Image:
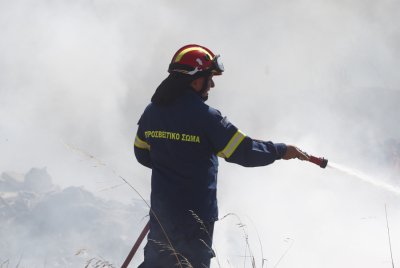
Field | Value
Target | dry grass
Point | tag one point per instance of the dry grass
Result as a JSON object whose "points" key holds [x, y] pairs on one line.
{"points": [[249, 253], [8, 262], [75, 148], [203, 227], [95, 262], [4, 263], [164, 247], [390, 243], [291, 243]]}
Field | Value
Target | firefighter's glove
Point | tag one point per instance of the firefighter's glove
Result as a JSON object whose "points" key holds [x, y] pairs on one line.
{"points": [[294, 152]]}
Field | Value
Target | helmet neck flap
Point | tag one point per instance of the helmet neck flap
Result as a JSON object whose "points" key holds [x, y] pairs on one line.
{"points": [[175, 85]]}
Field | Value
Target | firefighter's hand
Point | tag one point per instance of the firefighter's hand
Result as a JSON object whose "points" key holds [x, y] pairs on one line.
{"points": [[294, 152]]}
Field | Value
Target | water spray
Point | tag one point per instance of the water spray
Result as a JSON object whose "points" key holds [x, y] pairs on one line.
{"points": [[323, 163], [374, 181], [320, 161]]}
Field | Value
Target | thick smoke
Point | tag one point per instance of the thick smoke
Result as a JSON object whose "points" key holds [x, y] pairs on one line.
{"points": [[45, 226], [321, 75]]}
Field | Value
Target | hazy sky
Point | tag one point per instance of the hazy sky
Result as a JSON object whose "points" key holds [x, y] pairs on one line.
{"points": [[320, 74]]}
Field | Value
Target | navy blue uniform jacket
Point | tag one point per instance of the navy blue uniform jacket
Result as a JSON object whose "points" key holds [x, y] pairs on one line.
{"points": [[181, 143]]}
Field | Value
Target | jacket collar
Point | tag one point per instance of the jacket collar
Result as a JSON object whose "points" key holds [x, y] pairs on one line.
{"points": [[190, 91]]}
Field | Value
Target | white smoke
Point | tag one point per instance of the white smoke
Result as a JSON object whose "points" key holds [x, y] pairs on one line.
{"points": [[321, 75]]}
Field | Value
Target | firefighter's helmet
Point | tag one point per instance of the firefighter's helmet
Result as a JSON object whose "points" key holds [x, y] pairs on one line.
{"points": [[191, 59]]}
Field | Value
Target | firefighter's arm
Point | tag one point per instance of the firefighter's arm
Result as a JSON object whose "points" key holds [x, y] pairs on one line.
{"points": [[234, 146], [142, 152], [254, 153], [291, 152]]}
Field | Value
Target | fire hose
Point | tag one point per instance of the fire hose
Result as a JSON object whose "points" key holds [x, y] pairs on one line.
{"points": [[136, 246], [319, 161]]}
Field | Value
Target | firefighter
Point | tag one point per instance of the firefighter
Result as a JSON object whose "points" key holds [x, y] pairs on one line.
{"points": [[180, 138]]}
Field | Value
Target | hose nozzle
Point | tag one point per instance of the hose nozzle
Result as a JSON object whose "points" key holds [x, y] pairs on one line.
{"points": [[320, 161]]}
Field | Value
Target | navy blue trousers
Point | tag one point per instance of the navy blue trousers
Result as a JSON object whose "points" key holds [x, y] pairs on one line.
{"points": [[185, 238]]}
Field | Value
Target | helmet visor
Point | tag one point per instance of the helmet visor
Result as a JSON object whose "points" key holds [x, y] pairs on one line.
{"points": [[217, 64]]}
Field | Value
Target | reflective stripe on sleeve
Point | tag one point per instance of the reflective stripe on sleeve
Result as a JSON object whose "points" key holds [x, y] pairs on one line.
{"points": [[141, 144], [232, 145]]}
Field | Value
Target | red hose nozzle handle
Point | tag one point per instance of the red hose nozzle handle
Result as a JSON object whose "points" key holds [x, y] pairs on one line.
{"points": [[320, 161]]}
